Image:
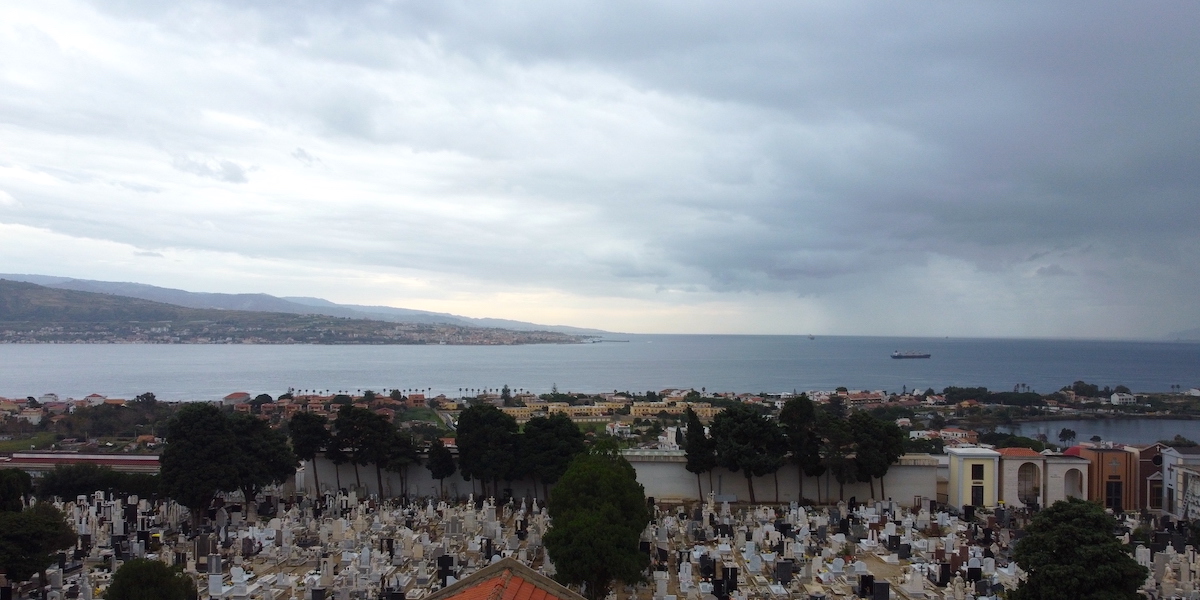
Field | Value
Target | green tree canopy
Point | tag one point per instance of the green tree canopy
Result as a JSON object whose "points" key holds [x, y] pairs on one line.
{"points": [[798, 418], [879, 444], [70, 481], [487, 444], [1066, 435], [937, 422], [599, 513], [1179, 442], [201, 457], [29, 540], [309, 437], [837, 449], [959, 394], [15, 484], [548, 446], [147, 401], [701, 450], [746, 441], [924, 446], [257, 403], [364, 437], [1070, 551], [440, 462], [264, 456], [144, 579], [1084, 389], [401, 453]]}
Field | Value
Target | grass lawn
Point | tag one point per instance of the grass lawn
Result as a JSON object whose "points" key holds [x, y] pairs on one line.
{"points": [[423, 414], [40, 441]]}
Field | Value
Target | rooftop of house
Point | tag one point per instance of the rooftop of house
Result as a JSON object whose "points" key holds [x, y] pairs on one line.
{"points": [[506, 580], [973, 451]]}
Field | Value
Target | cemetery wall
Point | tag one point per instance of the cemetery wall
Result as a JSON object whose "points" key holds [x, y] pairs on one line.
{"points": [[420, 483], [670, 480], [664, 477]]}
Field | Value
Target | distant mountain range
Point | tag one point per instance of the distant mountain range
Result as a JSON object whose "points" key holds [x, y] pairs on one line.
{"points": [[291, 305], [36, 314]]}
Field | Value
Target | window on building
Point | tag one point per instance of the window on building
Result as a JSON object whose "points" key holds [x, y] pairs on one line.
{"points": [[976, 471], [1113, 495]]}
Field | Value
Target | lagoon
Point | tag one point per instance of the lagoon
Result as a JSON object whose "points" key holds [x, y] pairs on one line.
{"points": [[1122, 430]]}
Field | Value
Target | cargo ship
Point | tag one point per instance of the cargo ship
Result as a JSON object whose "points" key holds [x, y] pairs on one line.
{"points": [[910, 354]]}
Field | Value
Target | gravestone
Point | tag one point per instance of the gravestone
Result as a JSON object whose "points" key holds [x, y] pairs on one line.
{"points": [[942, 574], [883, 591], [731, 578], [866, 586], [783, 571]]}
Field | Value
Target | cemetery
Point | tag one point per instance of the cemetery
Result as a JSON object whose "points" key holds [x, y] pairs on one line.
{"points": [[342, 546]]}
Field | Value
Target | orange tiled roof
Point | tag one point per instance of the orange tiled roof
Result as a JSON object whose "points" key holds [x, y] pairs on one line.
{"points": [[506, 580], [1017, 452]]}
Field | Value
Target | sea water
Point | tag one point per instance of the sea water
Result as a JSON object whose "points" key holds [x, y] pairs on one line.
{"points": [[716, 363]]}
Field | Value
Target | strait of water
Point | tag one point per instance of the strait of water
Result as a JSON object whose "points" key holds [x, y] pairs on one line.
{"points": [[636, 363]]}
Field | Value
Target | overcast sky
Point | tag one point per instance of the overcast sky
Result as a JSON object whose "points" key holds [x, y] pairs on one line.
{"points": [[962, 169]]}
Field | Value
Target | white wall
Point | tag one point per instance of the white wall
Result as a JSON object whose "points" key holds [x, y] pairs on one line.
{"points": [[672, 481], [666, 478], [419, 481], [1009, 479]]}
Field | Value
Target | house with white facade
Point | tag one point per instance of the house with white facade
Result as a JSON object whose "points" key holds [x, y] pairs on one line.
{"points": [[1121, 399]]}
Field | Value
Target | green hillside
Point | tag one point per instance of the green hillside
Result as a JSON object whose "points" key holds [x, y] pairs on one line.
{"points": [[27, 302], [31, 313]]}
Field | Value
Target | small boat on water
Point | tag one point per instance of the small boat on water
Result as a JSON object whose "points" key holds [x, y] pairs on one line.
{"points": [[910, 354]]}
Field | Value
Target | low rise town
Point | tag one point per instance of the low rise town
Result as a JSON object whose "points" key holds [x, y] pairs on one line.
{"points": [[944, 517]]}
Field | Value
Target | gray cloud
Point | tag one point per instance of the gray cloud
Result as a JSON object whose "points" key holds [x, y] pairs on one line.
{"points": [[1054, 270], [221, 170], [303, 156], [817, 150]]}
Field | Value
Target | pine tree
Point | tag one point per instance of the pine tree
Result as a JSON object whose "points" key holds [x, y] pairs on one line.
{"points": [[701, 451]]}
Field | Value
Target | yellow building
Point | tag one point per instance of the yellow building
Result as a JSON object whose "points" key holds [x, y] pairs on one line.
{"points": [[649, 409], [520, 413], [705, 411], [974, 476], [583, 410]]}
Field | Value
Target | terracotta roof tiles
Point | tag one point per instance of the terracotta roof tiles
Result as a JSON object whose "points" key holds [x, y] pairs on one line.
{"points": [[506, 580]]}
